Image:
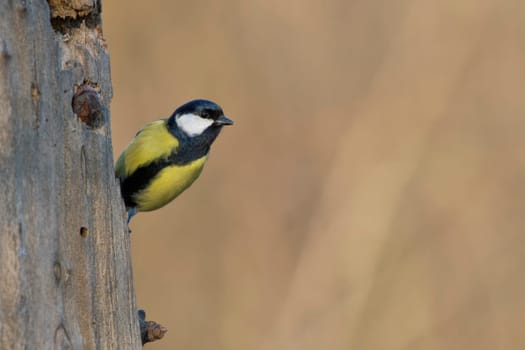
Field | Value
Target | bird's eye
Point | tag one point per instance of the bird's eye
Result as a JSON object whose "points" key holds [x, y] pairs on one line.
{"points": [[205, 115]]}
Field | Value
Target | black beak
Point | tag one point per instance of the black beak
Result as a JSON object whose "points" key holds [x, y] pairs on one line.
{"points": [[223, 120]]}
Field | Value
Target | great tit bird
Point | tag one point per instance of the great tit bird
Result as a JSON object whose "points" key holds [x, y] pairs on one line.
{"points": [[168, 155]]}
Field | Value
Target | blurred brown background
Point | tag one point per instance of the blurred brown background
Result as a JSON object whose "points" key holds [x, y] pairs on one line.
{"points": [[371, 194]]}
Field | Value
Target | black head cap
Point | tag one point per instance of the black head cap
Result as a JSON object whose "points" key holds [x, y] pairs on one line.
{"points": [[203, 108]]}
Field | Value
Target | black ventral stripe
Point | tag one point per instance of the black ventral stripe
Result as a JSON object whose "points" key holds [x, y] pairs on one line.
{"points": [[144, 175]]}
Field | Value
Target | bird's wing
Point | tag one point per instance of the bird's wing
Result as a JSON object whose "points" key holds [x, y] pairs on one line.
{"points": [[153, 142]]}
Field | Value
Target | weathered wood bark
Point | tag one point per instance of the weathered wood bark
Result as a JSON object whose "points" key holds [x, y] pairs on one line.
{"points": [[65, 268]]}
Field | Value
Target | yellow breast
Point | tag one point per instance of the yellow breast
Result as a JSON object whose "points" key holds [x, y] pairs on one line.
{"points": [[168, 184], [154, 141]]}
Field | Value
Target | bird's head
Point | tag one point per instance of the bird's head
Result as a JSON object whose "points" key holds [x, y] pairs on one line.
{"points": [[197, 116]]}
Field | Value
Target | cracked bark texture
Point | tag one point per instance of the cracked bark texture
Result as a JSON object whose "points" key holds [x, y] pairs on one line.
{"points": [[65, 258]]}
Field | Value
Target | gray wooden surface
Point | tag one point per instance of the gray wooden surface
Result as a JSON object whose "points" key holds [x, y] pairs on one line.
{"points": [[59, 289]]}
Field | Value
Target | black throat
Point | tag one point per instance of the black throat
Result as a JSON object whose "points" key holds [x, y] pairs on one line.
{"points": [[191, 147]]}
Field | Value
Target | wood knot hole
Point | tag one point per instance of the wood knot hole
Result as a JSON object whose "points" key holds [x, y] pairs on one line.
{"points": [[87, 105], [57, 270]]}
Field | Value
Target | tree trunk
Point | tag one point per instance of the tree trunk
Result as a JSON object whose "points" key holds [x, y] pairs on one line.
{"points": [[65, 267]]}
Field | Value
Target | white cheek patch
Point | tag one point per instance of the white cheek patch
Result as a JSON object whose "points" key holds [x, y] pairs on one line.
{"points": [[192, 124]]}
